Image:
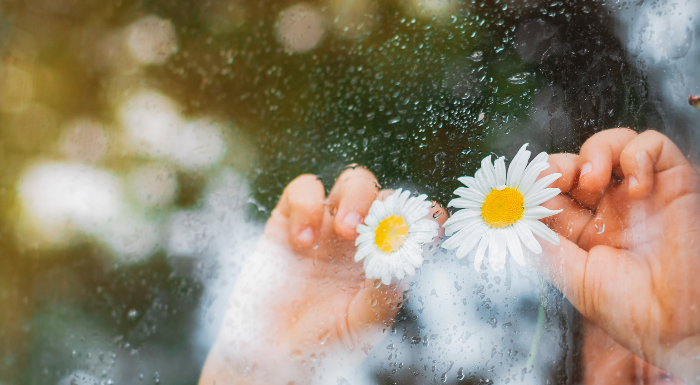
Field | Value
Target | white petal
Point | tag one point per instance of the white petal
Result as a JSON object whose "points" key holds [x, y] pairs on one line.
{"points": [[470, 193], [542, 231], [462, 203], [363, 229], [470, 242], [539, 212], [386, 275], [365, 237], [472, 183], [530, 175], [401, 202], [465, 214], [517, 166], [514, 246], [479, 255], [364, 250], [500, 166], [541, 183], [483, 181], [526, 237], [497, 248], [541, 196], [413, 253], [455, 226], [489, 172]]}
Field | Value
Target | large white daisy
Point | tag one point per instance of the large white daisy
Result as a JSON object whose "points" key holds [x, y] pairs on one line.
{"points": [[390, 240], [499, 210]]}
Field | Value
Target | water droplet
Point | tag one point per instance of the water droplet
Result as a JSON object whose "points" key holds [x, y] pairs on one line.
{"points": [[395, 120], [324, 337], [602, 230], [518, 78], [493, 322], [132, 314], [477, 56]]}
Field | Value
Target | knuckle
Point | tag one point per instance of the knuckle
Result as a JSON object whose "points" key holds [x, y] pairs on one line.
{"points": [[357, 172]]}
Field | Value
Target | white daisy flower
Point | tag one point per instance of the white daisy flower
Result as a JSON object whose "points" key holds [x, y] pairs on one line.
{"points": [[499, 210], [390, 240]]}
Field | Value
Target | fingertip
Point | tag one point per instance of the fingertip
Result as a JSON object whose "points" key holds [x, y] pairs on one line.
{"points": [[350, 200], [567, 166], [438, 213], [302, 202], [346, 226], [306, 237], [594, 176]]}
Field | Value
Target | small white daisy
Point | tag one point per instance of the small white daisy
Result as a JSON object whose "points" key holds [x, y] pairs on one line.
{"points": [[390, 240], [500, 210]]}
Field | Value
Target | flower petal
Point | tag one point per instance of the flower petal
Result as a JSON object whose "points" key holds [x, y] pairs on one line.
{"points": [[481, 249], [497, 255], [500, 166], [526, 237], [530, 175], [542, 231], [471, 241], [539, 212], [489, 172], [517, 167], [541, 196], [514, 246], [472, 183], [541, 183]]}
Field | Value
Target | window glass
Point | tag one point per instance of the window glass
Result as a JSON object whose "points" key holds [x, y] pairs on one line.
{"points": [[145, 144]]}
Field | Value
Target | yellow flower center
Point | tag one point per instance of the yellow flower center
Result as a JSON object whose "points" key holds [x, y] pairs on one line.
{"points": [[390, 234], [502, 208]]}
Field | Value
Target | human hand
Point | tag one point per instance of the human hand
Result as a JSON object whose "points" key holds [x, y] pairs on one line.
{"points": [[629, 259], [301, 306]]}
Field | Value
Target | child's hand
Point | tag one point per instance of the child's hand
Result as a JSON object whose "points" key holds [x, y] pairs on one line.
{"points": [[629, 260], [301, 305]]}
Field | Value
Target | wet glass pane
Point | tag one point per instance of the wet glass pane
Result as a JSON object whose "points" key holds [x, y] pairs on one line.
{"points": [[155, 227]]}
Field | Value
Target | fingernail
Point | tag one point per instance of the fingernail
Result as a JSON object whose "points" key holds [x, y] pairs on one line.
{"points": [[586, 168], [306, 236], [633, 182], [352, 219]]}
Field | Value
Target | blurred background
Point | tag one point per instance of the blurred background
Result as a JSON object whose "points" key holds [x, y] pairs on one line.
{"points": [[143, 143]]}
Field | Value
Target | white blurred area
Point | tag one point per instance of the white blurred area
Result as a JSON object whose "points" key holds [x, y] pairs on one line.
{"points": [[127, 210], [151, 40], [154, 127], [144, 42], [300, 28], [61, 201]]}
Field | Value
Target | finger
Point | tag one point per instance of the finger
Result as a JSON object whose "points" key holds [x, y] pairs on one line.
{"points": [[350, 200], [302, 203], [600, 156], [649, 153], [567, 166], [438, 213]]}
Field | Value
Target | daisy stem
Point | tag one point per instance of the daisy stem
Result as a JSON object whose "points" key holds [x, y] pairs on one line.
{"points": [[536, 340]]}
